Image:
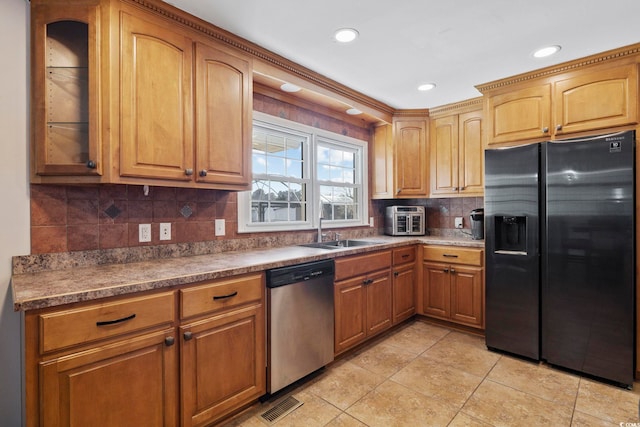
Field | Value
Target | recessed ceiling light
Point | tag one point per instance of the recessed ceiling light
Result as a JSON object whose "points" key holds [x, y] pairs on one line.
{"points": [[346, 35], [427, 86], [288, 87], [353, 111], [546, 51]]}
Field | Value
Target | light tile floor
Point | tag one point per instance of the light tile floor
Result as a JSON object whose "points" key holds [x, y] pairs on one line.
{"points": [[427, 375]]}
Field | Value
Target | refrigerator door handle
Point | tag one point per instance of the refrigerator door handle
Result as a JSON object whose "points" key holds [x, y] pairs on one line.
{"points": [[505, 252]]}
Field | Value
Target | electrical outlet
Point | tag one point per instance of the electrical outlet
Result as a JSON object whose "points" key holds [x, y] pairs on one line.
{"points": [[144, 233], [165, 231], [458, 222], [370, 221], [219, 226]]}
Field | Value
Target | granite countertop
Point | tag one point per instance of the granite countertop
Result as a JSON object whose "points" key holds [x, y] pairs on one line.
{"points": [[49, 288]]}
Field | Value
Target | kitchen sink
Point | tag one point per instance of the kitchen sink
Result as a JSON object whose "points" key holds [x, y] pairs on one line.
{"points": [[338, 244]]}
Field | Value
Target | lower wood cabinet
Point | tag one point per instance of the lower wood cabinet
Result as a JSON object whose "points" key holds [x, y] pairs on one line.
{"points": [[182, 357], [453, 285], [362, 298], [132, 382], [404, 286], [223, 353]]}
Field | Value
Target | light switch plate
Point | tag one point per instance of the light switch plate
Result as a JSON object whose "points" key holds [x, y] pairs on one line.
{"points": [[219, 226]]}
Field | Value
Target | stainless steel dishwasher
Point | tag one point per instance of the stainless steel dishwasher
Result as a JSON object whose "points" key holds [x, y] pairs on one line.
{"points": [[299, 322]]}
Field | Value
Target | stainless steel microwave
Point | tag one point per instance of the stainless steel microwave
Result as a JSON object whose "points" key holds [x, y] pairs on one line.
{"points": [[405, 221]]}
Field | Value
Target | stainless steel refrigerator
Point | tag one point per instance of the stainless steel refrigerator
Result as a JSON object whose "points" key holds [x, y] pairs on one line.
{"points": [[560, 253]]}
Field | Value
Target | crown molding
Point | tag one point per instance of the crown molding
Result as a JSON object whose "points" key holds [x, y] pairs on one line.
{"points": [[261, 53], [630, 51]]}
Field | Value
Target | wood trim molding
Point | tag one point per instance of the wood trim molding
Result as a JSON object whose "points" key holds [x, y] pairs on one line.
{"points": [[423, 113], [612, 55], [458, 107]]}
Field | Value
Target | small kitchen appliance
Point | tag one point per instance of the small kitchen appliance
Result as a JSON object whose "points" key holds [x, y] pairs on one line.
{"points": [[405, 221], [477, 224]]}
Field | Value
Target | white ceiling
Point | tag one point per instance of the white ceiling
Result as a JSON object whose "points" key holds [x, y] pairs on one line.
{"points": [[454, 43]]}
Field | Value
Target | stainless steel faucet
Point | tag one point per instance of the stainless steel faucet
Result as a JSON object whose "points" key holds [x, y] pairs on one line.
{"points": [[320, 228]]}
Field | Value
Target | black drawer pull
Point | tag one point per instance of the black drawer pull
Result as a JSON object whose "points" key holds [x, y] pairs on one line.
{"points": [[450, 255], [187, 335], [233, 294], [169, 341], [405, 256], [112, 322]]}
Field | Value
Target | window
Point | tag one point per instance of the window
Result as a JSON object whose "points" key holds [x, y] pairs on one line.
{"points": [[300, 173]]}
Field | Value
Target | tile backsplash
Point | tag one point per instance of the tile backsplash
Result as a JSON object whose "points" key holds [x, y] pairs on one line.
{"points": [[100, 217], [440, 213]]}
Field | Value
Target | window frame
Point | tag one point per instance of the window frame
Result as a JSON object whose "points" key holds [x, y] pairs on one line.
{"points": [[310, 165]]}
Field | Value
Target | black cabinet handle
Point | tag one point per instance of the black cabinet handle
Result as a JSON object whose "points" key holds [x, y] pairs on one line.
{"points": [[395, 273], [203, 173], [232, 294], [91, 164], [405, 256], [450, 255], [187, 335], [453, 271], [446, 270], [169, 341], [112, 322]]}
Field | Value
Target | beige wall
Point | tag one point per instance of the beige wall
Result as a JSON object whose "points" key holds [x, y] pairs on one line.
{"points": [[14, 213]]}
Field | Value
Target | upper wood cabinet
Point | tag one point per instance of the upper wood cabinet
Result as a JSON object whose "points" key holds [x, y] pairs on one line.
{"points": [[457, 153], [600, 98], [519, 114], [156, 109], [65, 70], [411, 146], [382, 163], [554, 103], [223, 116], [131, 95]]}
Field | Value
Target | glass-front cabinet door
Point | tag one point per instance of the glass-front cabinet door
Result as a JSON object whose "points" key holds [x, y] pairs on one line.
{"points": [[65, 90]]}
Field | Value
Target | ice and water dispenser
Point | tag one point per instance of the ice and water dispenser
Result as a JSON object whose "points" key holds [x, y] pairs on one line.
{"points": [[511, 234]]}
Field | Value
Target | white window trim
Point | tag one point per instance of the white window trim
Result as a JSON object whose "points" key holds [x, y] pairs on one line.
{"points": [[244, 198]]}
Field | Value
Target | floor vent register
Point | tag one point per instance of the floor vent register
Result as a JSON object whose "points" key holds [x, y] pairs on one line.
{"points": [[283, 408]]}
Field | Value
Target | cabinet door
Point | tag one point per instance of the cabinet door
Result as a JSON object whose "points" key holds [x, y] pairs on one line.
{"points": [[350, 305], [519, 115], [223, 117], [403, 292], [444, 155], [156, 138], [379, 302], [130, 383], [382, 164], [410, 153], [223, 364], [436, 290], [467, 295], [65, 90], [470, 154], [595, 100]]}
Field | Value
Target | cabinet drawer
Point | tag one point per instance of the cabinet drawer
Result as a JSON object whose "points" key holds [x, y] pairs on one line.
{"points": [[453, 255], [404, 255], [220, 295], [98, 321], [362, 264]]}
